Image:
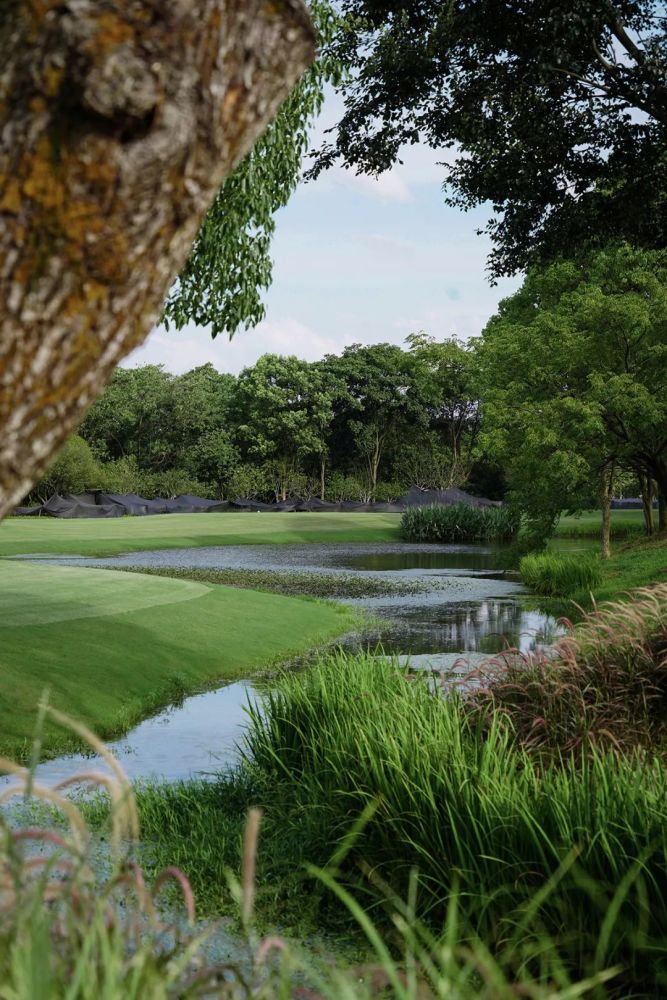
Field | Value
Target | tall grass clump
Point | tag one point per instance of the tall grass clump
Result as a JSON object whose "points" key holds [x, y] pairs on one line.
{"points": [[553, 574], [458, 523], [604, 685], [68, 931], [458, 799]]}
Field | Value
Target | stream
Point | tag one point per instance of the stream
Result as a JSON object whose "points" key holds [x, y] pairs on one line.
{"points": [[471, 609]]}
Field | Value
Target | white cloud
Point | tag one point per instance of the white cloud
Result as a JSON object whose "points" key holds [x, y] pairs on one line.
{"points": [[193, 346], [389, 186]]}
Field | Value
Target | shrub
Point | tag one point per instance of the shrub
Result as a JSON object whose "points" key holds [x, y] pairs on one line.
{"points": [[555, 575], [173, 483], [123, 475], [388, 492], [75, 470], [340, 488], [458, 523], [604, 686], [247, 482]]}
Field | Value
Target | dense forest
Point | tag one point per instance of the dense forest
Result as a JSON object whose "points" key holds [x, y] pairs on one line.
{"points": [[361, 425]]}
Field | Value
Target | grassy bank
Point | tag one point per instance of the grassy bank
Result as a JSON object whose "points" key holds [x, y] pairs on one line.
{"points": [[575, 850], [634, 565], [31, 535], [112, 647], [581, 579]]}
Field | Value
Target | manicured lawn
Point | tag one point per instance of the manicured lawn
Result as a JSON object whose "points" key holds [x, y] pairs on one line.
{"points": [[113, 646], [164, 531], [624, 524]]}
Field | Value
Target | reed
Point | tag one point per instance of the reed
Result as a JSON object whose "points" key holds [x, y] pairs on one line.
{"points": [[553, 574], [473, 812], [602, 686], [458, 523], [67, 931]]}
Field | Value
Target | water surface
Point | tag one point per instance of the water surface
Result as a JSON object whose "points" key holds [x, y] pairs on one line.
{"points": [[472, 608]]}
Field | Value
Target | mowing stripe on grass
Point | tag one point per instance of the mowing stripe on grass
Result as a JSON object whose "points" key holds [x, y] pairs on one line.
{"points": [[165, 638], [67, 593]]}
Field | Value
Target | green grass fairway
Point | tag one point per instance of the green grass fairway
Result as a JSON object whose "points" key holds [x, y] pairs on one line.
{"points": [[112, 647], [624, 524], [26, 535]]}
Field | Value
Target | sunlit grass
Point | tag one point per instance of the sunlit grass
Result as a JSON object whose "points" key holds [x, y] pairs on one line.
{"points": [[555, 574], [107, 537], [114, 647], [624, 524]]}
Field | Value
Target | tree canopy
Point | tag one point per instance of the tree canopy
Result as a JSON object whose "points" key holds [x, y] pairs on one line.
{"points": [[364, 424], [574, 378], [230, 264], [552, 111]]}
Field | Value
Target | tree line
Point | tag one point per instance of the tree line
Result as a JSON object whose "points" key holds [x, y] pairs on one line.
{"points": [[558, 405], [362, 425]]}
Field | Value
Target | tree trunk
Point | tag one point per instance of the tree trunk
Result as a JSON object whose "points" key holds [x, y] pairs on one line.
{"points": [[375, 463], [646, 486], [118, 123], [661, 484], [607, 484], [323, 466]]}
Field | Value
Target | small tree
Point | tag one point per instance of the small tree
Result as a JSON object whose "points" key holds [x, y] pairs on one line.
{"points": [[75, 470]]}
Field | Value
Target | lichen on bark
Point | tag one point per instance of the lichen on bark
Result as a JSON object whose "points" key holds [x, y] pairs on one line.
{"points": [[119, 120]]}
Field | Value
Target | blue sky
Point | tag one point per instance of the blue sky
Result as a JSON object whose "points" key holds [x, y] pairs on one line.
{"points": [[357, 260]]}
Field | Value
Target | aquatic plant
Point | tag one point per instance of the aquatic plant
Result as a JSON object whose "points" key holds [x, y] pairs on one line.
{"points": [[554, 574], [458, 523], [291, 582]]}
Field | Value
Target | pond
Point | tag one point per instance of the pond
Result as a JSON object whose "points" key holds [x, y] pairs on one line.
{"points": [[470, 608]]}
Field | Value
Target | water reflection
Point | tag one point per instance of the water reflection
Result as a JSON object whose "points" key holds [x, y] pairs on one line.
{"points": [[198, 737], [484, 626], [471, 608], [451, 558]]}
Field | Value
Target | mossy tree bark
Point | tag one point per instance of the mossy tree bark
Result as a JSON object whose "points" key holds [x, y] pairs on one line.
{"points": [[119, 119]]}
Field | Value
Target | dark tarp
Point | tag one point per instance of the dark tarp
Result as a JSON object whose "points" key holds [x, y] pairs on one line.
{"points": [[256, 506], [632, 503], [74, 505], [99, 504]]}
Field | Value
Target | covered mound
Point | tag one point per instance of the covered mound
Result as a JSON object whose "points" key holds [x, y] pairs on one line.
{"points": [[100, 504]]}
